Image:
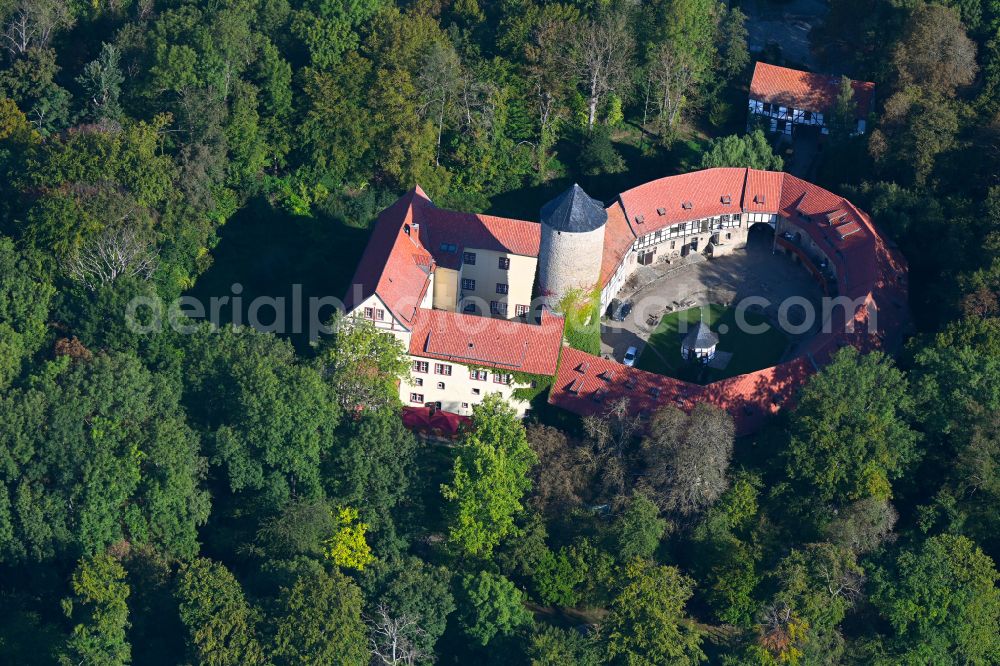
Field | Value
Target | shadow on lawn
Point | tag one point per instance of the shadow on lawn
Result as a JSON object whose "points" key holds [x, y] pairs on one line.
{"points": [[751, 352]]}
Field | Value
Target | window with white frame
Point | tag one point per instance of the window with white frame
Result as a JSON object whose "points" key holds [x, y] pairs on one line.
{"points": [[501, 378], [420, 366], [417, 397], [520, 310], [468, 285], [418, 381], [503, 263], [442, 369], [478, 375], [498, 308], [502, 288], [469, 258]]}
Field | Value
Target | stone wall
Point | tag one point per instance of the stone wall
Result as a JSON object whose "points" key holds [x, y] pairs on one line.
{"points": [[568, 261]]}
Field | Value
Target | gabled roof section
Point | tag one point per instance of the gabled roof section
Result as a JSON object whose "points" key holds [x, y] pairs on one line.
{"points": [[796, 89], [836, 225], [497, 343], [394, 265], [574, 211], [618, 239], [587, 385], [447, 234], [763, 191], [666, 201], [412, 237]]}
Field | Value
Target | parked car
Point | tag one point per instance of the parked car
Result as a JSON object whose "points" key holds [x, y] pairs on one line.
{"points": [[619, 313], [612, 307], [629, 358]]}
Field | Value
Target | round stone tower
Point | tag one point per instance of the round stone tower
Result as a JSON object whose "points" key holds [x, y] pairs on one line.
{"points": [[572, 245]]}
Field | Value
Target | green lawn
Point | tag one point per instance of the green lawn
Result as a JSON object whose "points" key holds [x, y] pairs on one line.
{"points": [[750, 351]]}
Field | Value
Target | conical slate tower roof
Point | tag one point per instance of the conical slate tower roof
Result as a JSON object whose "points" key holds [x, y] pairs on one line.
{"points": [[701, 337], [574, 211]]}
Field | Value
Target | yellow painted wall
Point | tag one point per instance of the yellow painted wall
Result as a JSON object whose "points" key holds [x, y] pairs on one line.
{"points": [[445, 289], [519, 278]]}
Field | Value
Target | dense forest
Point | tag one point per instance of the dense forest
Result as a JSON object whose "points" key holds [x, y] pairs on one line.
{"points": [[229, 496]]}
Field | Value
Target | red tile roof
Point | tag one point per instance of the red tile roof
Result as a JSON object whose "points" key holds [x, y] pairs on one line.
{"points": [[763, 191], [498, 343], [688, 196], [406, 246], [588, 384], [849, 240], [804, 90], [394, 265], [473, 231], [437, 422], [618, 239]]}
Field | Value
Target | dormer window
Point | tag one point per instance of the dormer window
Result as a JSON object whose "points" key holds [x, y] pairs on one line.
{"points": [[726, 199], [661, 211], [759, 199], [639, 219], [687, 205]]}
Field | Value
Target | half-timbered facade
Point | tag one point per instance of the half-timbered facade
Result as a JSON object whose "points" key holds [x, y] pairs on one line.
{"points": [[785, 98]]}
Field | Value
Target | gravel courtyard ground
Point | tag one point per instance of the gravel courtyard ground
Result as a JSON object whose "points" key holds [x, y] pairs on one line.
{"points": [[662, 288]]}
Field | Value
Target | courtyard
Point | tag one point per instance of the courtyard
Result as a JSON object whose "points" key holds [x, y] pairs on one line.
{"points": [[667, 296]]}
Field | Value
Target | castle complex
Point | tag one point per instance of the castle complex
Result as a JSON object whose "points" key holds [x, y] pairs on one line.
{"points": [[458, 289]]}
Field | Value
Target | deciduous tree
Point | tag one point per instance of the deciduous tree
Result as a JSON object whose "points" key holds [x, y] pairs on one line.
{"points": [[600, 55], [647, 625], [687, 457], [943, 602], [490, 477], [742, 150], [489, 605], [318, 621], [99, 606], [935, 51], [364, 365], [849, 437], [219, 620]]}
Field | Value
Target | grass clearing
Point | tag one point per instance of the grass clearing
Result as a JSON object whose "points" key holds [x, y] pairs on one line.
{"points": [[751, 351]]}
